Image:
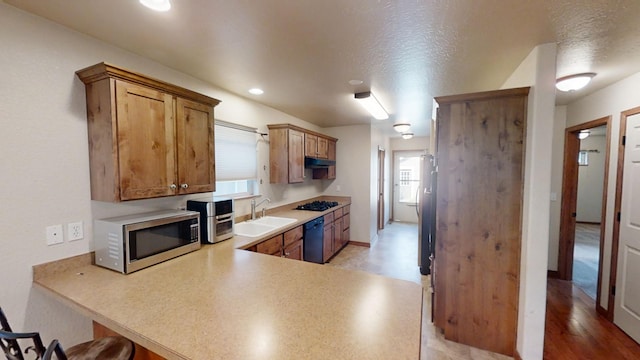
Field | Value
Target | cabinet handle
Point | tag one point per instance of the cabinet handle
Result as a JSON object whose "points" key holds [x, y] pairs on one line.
{"points": [[184, 186], [173, 186]]}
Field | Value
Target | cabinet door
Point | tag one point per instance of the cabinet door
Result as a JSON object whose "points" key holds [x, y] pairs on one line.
{"points": [[294, 251], [146, 148], [272, 246], [337, 235], [322, 150], [195, 150], [327, 242], [331, 155], [310, 145], [296, 156]]}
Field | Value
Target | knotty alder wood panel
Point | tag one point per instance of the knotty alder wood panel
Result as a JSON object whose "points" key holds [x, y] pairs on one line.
{"points": [[480, 157], [147, 138]]}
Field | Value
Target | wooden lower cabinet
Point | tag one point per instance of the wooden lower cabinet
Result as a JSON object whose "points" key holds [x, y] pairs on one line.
{"points": [[288, 245], [327, 242], [272, 246], [336, 232]]}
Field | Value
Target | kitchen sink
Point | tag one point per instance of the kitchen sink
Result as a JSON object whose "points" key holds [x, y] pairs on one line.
{"points": [[274, 221], [261, 226]]}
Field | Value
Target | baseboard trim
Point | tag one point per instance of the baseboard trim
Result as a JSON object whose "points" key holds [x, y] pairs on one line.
{"points": [[603, 312], [516, 356], [553, 274], [588, 222], [359, 243]]}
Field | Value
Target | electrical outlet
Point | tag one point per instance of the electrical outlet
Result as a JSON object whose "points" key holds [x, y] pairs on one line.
{"points": [[75, 231], [54, 235]]}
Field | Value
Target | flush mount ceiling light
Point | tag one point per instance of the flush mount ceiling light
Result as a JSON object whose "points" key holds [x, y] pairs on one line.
{"points": [[574, 82], [583, 134], [256, 91], [369, 102], [401, 127], [157, 5], [407, 136]]}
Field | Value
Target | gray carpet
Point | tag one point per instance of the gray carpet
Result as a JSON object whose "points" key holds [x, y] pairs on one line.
{"points": [[586, 254]]}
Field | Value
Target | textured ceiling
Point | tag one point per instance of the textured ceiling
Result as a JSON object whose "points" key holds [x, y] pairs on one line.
{"points": [[303, 52]]}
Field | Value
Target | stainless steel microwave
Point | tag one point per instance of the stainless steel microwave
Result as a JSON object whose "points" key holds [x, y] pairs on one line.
{"points": [[133, 242]]}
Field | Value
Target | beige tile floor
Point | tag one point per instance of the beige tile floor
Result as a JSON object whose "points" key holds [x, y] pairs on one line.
{"points": [[395, 255]]}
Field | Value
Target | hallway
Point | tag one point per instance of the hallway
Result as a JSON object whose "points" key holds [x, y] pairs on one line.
{"points": [[574, 330]]}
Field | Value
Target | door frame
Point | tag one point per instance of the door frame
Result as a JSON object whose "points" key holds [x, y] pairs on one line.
{"points": [[381, 157], [570, 197], [613, 275]]}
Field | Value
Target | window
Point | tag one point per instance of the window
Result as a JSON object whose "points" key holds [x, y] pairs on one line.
{"points": [[409, 167], [236, 160]]}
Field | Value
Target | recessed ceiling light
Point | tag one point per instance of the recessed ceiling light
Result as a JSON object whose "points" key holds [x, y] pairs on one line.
{"points": [[157, 5], [256, 91], [574, 82], [355, 82]]}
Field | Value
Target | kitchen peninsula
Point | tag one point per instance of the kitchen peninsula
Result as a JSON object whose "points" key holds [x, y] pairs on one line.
{"points": [[222, 302]]}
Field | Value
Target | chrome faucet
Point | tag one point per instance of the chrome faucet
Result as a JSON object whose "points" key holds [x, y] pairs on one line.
{"points": [[254, 206]]}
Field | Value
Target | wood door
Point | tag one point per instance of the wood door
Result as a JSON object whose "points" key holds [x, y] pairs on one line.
{"points": [[296, 156], [146, 147], [310, 145], [323, 148], [627, 301], [195, 147], [331, 155], [294, 251], [279, 156], [337, 234], [479, 197], [381, 154], [327, 242]]}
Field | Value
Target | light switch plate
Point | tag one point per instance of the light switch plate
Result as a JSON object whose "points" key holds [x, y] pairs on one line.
{"points": [[54, 235]]}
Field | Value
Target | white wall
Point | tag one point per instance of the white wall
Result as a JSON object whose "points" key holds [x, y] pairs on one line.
{"points": [[352, 171], [537, 70], [45, 165], [559, 124], [415, 143], [591, 180]]}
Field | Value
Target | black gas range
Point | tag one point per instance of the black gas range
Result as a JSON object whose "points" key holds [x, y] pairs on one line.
{"points": [[317, 205]]}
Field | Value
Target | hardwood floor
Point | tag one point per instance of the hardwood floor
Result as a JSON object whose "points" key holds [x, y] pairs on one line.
{"points": [[573, 331]]}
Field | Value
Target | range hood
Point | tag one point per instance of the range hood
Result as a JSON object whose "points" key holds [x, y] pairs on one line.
{"points": [[314, 163]]}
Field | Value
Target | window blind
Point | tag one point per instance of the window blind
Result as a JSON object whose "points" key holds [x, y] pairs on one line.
{"points": [[236, 152]]}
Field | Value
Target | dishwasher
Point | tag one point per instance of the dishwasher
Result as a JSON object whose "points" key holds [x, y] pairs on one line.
{"points": [[313, 233]]}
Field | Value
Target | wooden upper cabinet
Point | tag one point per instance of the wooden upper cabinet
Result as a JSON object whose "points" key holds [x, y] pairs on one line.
{"points": [[316, 146], [289, 145], [147, 138], [296, 157], [196, 151]]}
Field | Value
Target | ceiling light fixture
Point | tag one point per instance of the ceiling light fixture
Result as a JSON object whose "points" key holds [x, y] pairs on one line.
{"points": [[401, 127], [407, 136], [157, 5], [583, 134], [369, 102], [574, 82], [256, 91]]}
